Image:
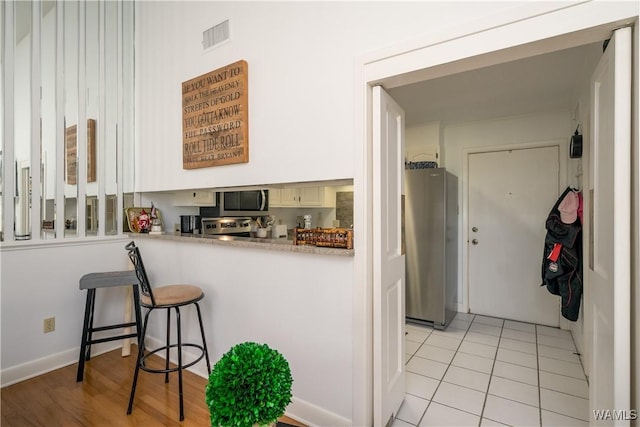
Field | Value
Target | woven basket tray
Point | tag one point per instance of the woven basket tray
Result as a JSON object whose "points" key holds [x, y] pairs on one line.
{"points": [[324, 237]]}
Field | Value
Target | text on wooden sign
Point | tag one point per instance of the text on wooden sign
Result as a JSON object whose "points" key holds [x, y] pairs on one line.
{"points": [[215, 118]]}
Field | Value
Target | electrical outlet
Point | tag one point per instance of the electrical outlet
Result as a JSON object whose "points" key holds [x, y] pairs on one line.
{"points": [[49, 324]]}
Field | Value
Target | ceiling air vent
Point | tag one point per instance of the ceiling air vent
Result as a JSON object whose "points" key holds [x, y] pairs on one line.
{"points": [[215, 35]]}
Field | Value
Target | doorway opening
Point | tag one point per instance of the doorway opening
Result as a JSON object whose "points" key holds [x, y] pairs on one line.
{"points": [[579, 111]]}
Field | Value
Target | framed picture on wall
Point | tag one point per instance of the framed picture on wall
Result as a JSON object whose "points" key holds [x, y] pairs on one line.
{"points": [[215, 119], [71, 153]]}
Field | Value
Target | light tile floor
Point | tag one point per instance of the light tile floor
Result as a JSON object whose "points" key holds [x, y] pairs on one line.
{"points": [[485, 371]]}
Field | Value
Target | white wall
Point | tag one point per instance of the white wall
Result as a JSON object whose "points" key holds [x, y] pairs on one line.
{"points": [[299, 304], [301, 58], [41, 281]]}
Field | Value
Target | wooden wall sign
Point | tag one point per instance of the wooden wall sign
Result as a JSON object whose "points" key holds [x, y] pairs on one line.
{"points": [[71, 153], [215, 123]]}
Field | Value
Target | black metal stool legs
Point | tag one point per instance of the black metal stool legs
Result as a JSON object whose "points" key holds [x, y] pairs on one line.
{"points": [[138, 314], [165, 349], [88, 329], [87, 326], [179, 330], [204, 340], [138, 362], [166, 359]]}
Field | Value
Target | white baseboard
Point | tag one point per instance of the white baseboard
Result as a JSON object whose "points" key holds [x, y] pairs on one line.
{"points": [[312, 415], [33, 368]]}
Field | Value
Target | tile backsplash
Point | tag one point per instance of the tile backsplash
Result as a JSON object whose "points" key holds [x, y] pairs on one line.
{"points": [[344, 208]]}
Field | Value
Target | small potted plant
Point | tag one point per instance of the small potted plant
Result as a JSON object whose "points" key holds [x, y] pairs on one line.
{"points": [[250, 385]]}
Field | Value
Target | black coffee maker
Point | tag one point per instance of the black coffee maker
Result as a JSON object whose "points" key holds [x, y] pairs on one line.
{"points": [[190, 224]]}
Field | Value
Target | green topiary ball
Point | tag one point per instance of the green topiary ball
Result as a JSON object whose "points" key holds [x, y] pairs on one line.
{"points": [[250, 384]]}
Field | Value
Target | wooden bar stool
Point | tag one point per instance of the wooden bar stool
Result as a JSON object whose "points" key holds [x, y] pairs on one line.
{"points": [[169, 297], [91, 282]]}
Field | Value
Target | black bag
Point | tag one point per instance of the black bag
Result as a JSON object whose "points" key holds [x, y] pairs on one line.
{"points": [[562, 261]]}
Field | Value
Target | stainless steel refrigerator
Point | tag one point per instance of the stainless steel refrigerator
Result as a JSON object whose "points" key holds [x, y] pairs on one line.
{"points": [[431, 245]]}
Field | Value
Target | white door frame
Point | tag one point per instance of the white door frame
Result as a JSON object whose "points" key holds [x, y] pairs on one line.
{"points": [[606, 264], [533, 29], [563, 156]]}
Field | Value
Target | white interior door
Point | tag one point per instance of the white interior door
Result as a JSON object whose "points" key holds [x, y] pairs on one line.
{"points": [[510, 195], [609, 257], [388, 259]]}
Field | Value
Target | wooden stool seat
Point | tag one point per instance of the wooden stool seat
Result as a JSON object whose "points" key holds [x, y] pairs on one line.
{"points": [[171, 295]]}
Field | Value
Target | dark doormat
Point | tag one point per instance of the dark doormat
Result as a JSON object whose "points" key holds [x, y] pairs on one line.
{"points": [[281, 424]]}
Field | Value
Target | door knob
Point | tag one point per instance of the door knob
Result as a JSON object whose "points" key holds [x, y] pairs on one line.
{"points": [[474, 229], [474, 241]]}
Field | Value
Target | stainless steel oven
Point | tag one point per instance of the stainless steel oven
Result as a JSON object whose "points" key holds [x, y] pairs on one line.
{"points": [[228, 226]]}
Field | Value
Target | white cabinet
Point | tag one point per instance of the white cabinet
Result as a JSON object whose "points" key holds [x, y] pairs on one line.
{"points": [[195, 198], [275, 197], [311, 196], [423, 154], [290, 197], [322, 197], [283, 198]]}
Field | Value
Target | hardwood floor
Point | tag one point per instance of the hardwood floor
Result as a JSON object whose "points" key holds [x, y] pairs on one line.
{"points": [[56, 399]]}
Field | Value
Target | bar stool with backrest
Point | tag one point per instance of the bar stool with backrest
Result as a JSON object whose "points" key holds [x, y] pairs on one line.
{"points": [[165, 297]]}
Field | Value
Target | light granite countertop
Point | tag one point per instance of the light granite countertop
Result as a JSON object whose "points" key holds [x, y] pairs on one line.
{"points": [[283, 245]]}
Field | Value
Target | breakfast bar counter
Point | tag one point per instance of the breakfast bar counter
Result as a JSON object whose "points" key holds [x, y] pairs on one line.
{"points": [[282, 245]]}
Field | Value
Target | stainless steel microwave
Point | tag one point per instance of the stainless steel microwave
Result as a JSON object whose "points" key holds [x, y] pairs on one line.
{"points": [[244, 203]]}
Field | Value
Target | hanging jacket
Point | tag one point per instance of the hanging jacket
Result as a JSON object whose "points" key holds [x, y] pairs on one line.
{"points": [[562, 257]]}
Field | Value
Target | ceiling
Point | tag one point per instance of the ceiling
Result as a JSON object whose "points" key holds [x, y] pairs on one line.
{"points": [[541, 83]]}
